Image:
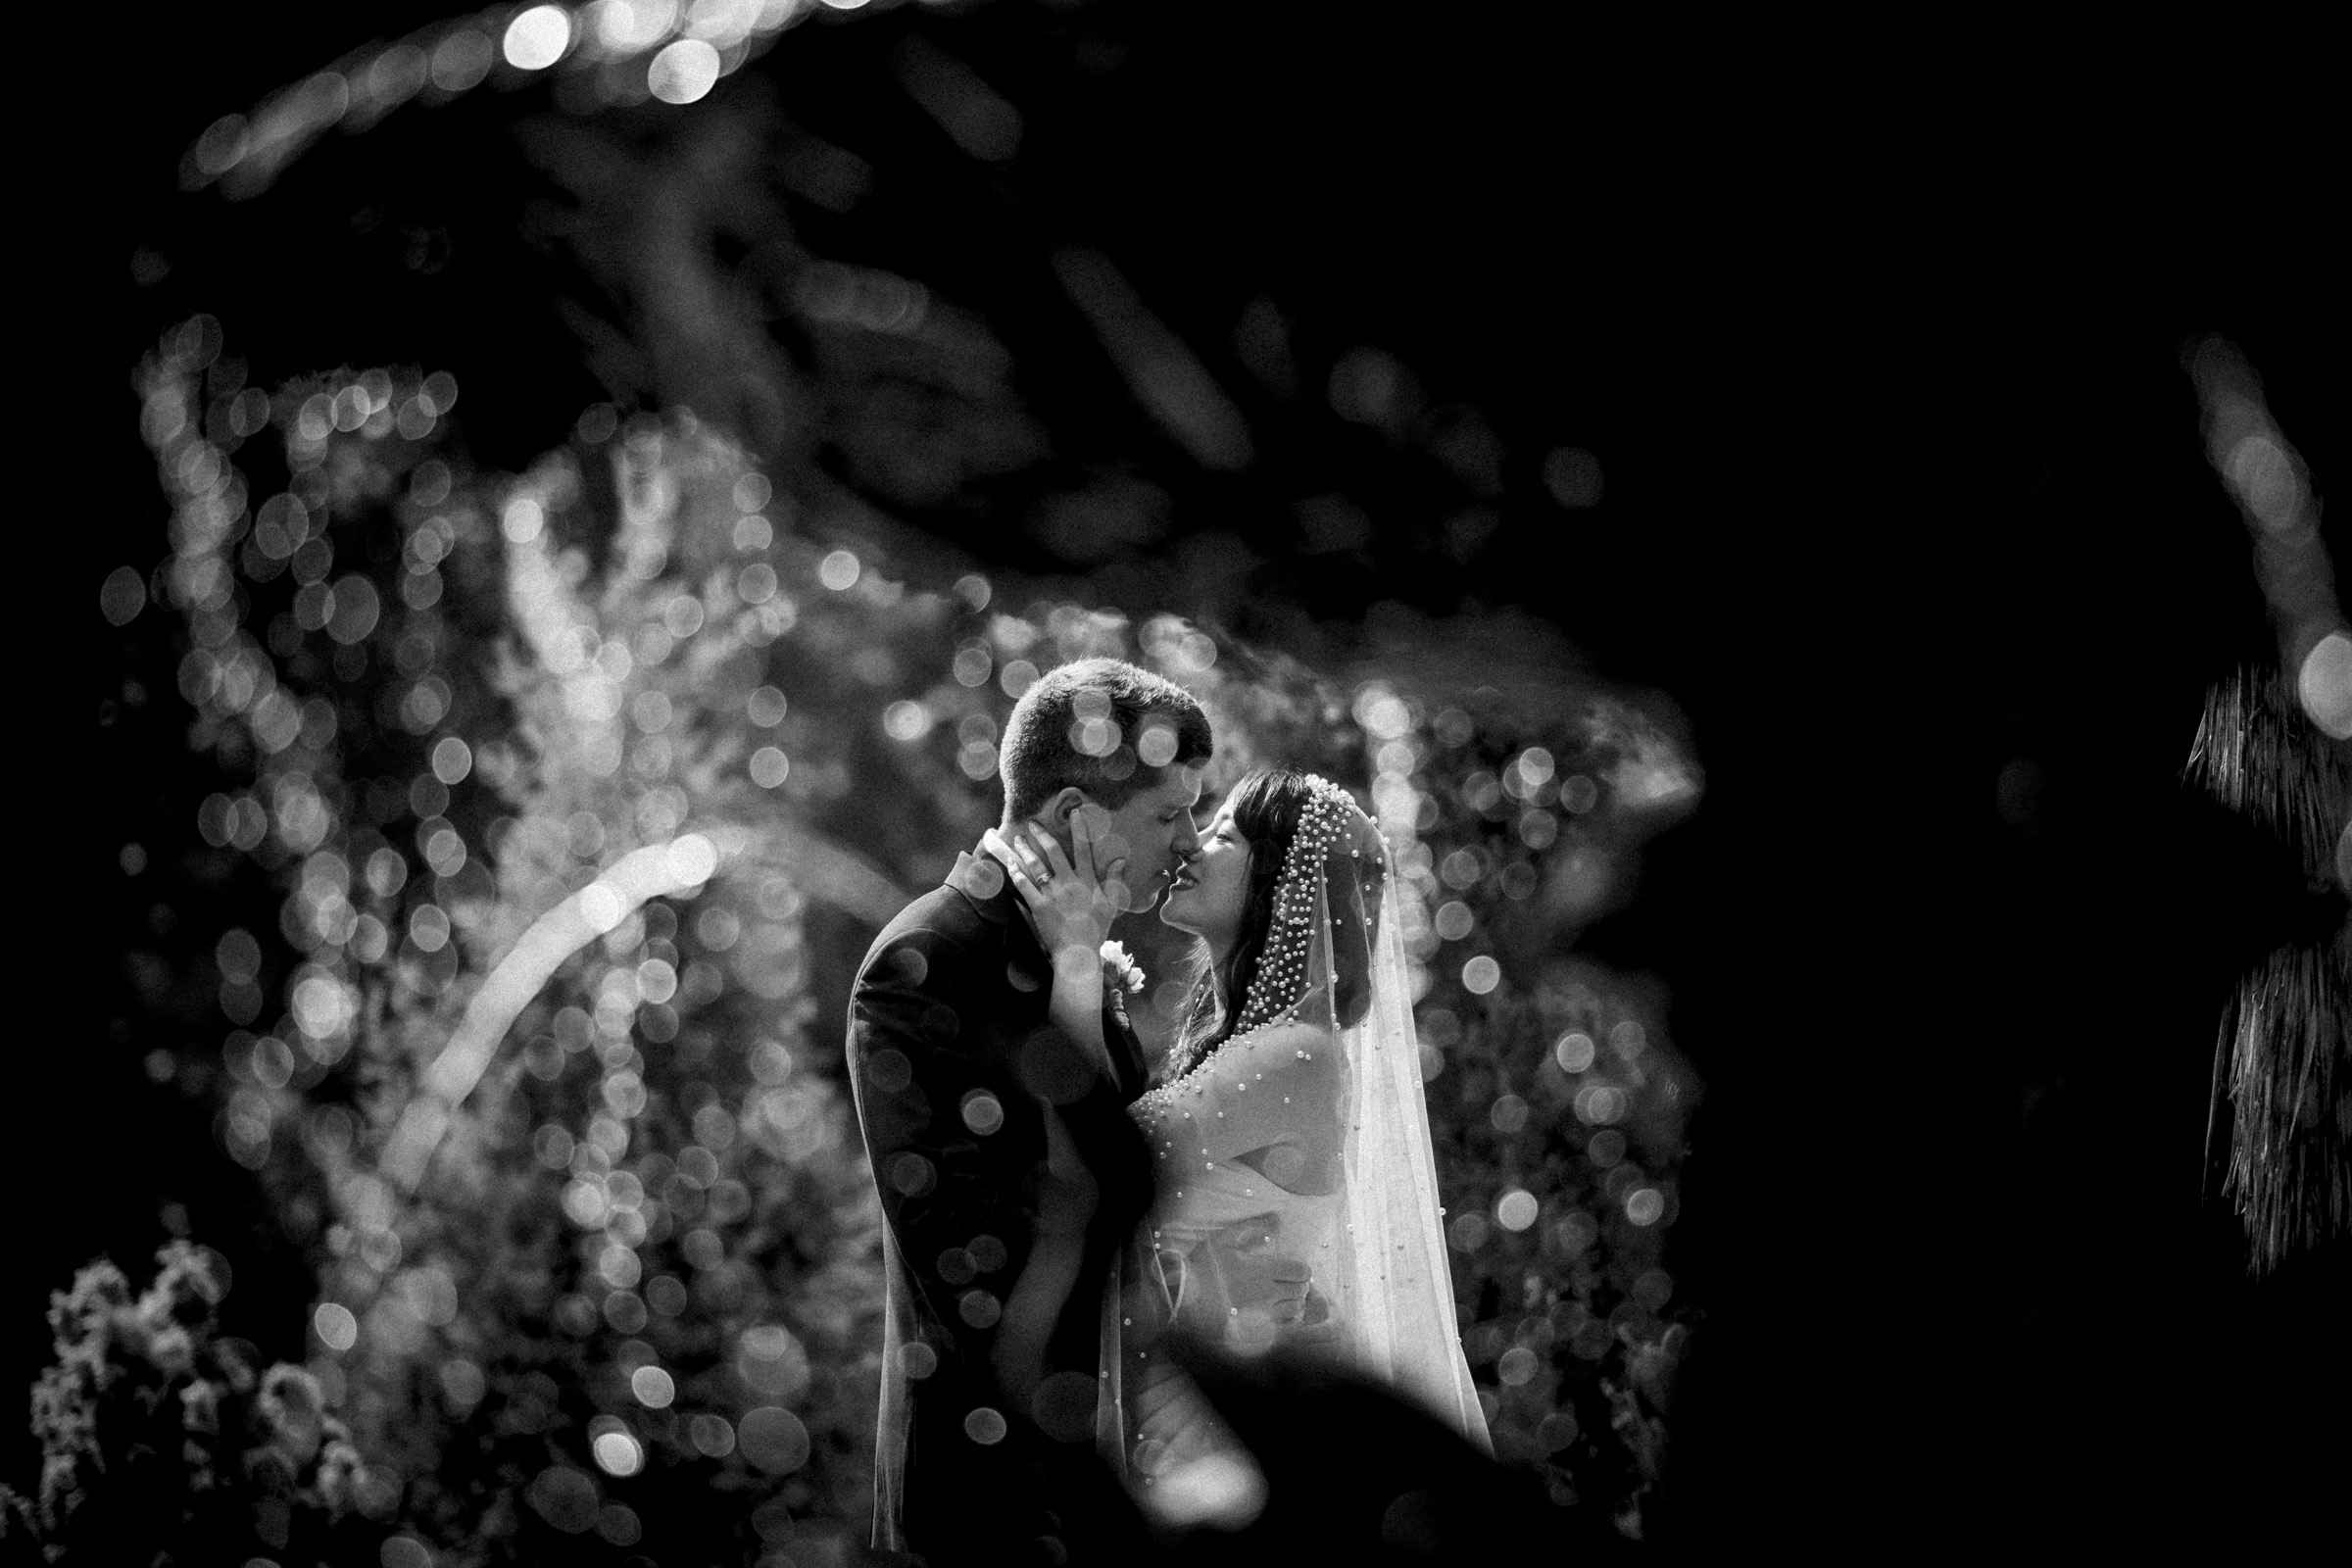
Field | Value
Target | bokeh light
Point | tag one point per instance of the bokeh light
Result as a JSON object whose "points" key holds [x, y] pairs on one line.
{"points": [[565, 1498], [1653, 1289], [123, 596], [461, 60], [983, 1113], [683, 72], [618, 1453], [1600, 1103], [1573, 475], [712, 1435], [335, 1327], [906, 721], [839, 570], [768, 707], [619, 1524], [404, 1551], [624, 27], [773, 1439], [653, 1387], [462, 1385], [452, 759], [537, 37], [2325, 685]]}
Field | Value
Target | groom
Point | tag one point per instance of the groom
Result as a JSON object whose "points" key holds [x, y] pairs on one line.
{"points": [[997, 1250]]}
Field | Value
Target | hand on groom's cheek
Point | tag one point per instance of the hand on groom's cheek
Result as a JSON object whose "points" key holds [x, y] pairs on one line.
{"points": [[1113, 839]]}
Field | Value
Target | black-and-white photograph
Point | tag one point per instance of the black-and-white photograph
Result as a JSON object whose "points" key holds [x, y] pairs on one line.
{"points": [[837, 783]]}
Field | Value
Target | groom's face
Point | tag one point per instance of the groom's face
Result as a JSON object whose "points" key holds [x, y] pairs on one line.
{"points": [[1152, 831]]}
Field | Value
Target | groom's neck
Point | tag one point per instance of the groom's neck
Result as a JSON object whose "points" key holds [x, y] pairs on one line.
{"points": [[987, 849]]}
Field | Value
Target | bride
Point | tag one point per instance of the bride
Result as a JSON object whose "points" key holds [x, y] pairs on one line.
{"points": [[1295, 1203]]}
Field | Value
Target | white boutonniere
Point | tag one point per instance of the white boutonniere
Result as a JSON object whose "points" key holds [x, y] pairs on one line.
{"points": [[1119, 971]]}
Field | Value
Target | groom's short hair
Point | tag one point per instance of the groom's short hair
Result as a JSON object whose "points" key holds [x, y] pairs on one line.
{"points": [[1041, 752]]}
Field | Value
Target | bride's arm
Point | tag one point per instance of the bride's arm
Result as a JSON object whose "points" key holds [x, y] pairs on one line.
{"points": [[1278, 1086], [1077, 1004], [1072, 915]]}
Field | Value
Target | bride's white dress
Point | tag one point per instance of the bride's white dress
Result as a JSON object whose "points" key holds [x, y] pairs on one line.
{"points": [[1294, 1160]]}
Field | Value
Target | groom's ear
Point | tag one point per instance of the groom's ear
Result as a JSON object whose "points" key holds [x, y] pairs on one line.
{"points": [[1058, 810]]}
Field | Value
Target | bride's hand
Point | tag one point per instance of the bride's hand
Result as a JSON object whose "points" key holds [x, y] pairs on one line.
{"points": [[1072, 906], [1314, 1325]]}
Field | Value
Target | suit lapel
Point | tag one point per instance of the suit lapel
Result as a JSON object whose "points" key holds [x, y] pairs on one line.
{"points": [[1126, 1052], [984, 886]]}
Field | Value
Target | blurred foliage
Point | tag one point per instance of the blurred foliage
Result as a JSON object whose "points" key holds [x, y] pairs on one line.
{"points": [[641, 1265], [166, 1442], [1516, 804], [611, 1288]]}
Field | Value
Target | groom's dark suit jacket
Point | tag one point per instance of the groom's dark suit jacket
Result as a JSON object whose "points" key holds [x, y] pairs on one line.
{"points": [[951, 1047]]}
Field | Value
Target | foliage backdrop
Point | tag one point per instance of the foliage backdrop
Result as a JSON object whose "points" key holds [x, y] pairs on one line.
{"points": [[575, 792]]}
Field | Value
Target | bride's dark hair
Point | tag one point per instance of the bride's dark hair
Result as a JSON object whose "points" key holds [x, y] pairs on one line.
{"points": [[1267, 803]]}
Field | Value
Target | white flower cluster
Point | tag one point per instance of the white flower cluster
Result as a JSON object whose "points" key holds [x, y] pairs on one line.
{"points": [[1120, 972]]}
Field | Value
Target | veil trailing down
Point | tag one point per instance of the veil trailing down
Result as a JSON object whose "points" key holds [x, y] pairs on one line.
{"points": [[1296, 1205]]}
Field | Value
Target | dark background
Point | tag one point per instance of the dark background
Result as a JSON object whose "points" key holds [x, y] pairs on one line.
{"points": [[1878, 340]]}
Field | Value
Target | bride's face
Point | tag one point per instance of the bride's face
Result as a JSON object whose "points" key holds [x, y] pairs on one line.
{"points": [[1208, 894]]}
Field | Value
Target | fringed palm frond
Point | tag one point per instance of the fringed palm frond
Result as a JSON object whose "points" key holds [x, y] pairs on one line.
{"points": [[2283, 1061], [2288, 1039], [2258, 753]]}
